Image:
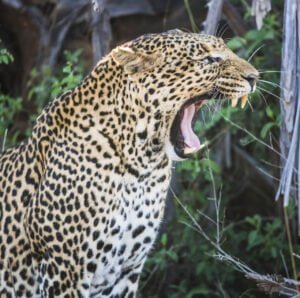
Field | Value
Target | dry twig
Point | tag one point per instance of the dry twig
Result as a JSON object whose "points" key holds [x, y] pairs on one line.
{"points": [[269, 283]]}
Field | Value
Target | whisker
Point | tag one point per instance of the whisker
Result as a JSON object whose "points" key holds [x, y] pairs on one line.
{"points": [[219, 28], [226, 27], [272, 84], [250, 105], [253, 136], [217, 105], [227, 39], [203, 117], [262, 95], [269, 92], [209, 109], [215, 109], [249, 59], [271, 71]]}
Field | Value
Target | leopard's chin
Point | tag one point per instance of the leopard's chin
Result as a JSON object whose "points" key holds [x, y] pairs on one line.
{"points": [[183, 139]]}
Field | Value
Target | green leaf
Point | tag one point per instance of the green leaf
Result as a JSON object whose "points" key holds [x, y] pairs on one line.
{"points": [[164, 240], [172, 255], [254, 220], [252, 34], [67, 68], [266, 128], [270, 34], [246, 140], [5, 59], [208, 163], [269, 112], [254, 239], [236, 43], [197, 291], [34, 73]]}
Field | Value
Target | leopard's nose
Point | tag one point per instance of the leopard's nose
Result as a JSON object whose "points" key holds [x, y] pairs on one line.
{"points": [[252, 79]]}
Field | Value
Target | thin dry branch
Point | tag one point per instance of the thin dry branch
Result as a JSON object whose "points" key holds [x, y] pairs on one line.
{"points": [[269, 283]]}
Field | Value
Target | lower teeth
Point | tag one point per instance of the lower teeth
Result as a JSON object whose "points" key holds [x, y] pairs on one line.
{"points": [[189, 150]]}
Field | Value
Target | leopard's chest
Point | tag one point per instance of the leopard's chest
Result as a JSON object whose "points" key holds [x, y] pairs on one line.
{"points": [[131, 227]]}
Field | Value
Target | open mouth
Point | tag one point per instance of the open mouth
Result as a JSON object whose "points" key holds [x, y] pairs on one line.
{"points": [[183, 137]]}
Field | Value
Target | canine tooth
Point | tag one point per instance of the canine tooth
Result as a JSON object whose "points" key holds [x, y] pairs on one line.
{"points": [[190, 150], [234, 102], [244, 100]]}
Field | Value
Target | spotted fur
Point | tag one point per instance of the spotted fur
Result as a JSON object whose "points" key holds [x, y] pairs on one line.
{"points": [[82, 199]]}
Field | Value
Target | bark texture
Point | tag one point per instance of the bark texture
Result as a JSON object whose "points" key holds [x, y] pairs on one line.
{"points": [[213, 16], [290, 104], [260, 8]]}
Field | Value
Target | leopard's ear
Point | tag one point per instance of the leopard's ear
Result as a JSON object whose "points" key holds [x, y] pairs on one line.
{"points": [[133, 61]]}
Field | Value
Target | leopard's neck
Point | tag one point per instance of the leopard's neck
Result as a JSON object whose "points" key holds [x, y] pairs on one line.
{"points": [[106, 107]]}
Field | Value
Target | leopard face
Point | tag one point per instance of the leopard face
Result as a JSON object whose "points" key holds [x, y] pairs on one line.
{"points": [[178, 72]]}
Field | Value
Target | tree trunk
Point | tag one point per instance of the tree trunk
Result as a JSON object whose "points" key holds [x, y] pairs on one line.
{"points": [[290, 105], [213, 16]]}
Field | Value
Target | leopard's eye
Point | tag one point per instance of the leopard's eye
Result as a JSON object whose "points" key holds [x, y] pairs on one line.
{"points": [[211, 59], [214, 59]]}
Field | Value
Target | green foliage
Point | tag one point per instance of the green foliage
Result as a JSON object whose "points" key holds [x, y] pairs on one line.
{"points": [[192, 168], [254, 39], [265, 235], [44, 85], [9, 106], [273, 121], [5, 56], [164, 255], [194, 272]]}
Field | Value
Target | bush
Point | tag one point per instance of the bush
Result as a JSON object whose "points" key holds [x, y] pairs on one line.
{"points": [[9, 106]]}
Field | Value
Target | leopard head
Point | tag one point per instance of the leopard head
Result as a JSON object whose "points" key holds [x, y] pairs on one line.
{"points": [[176, 73]]}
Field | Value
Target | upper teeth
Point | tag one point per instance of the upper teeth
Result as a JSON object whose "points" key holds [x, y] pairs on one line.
{"points": [[244, 100], [234, 102]]}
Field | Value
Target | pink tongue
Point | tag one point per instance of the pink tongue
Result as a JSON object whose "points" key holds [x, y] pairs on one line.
{"points": [[190, 139]]}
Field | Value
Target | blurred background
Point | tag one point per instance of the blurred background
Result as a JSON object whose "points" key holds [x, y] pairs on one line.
{"points": [[224, 234]]}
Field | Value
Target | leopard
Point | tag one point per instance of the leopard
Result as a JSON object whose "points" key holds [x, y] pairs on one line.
{"points": [[82, 199]]}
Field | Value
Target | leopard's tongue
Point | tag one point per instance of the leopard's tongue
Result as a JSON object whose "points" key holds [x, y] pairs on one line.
{"points": [[191, 141]]}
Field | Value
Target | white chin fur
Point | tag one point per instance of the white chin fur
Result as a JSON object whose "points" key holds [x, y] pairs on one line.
{"points": [[169, 148]]}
